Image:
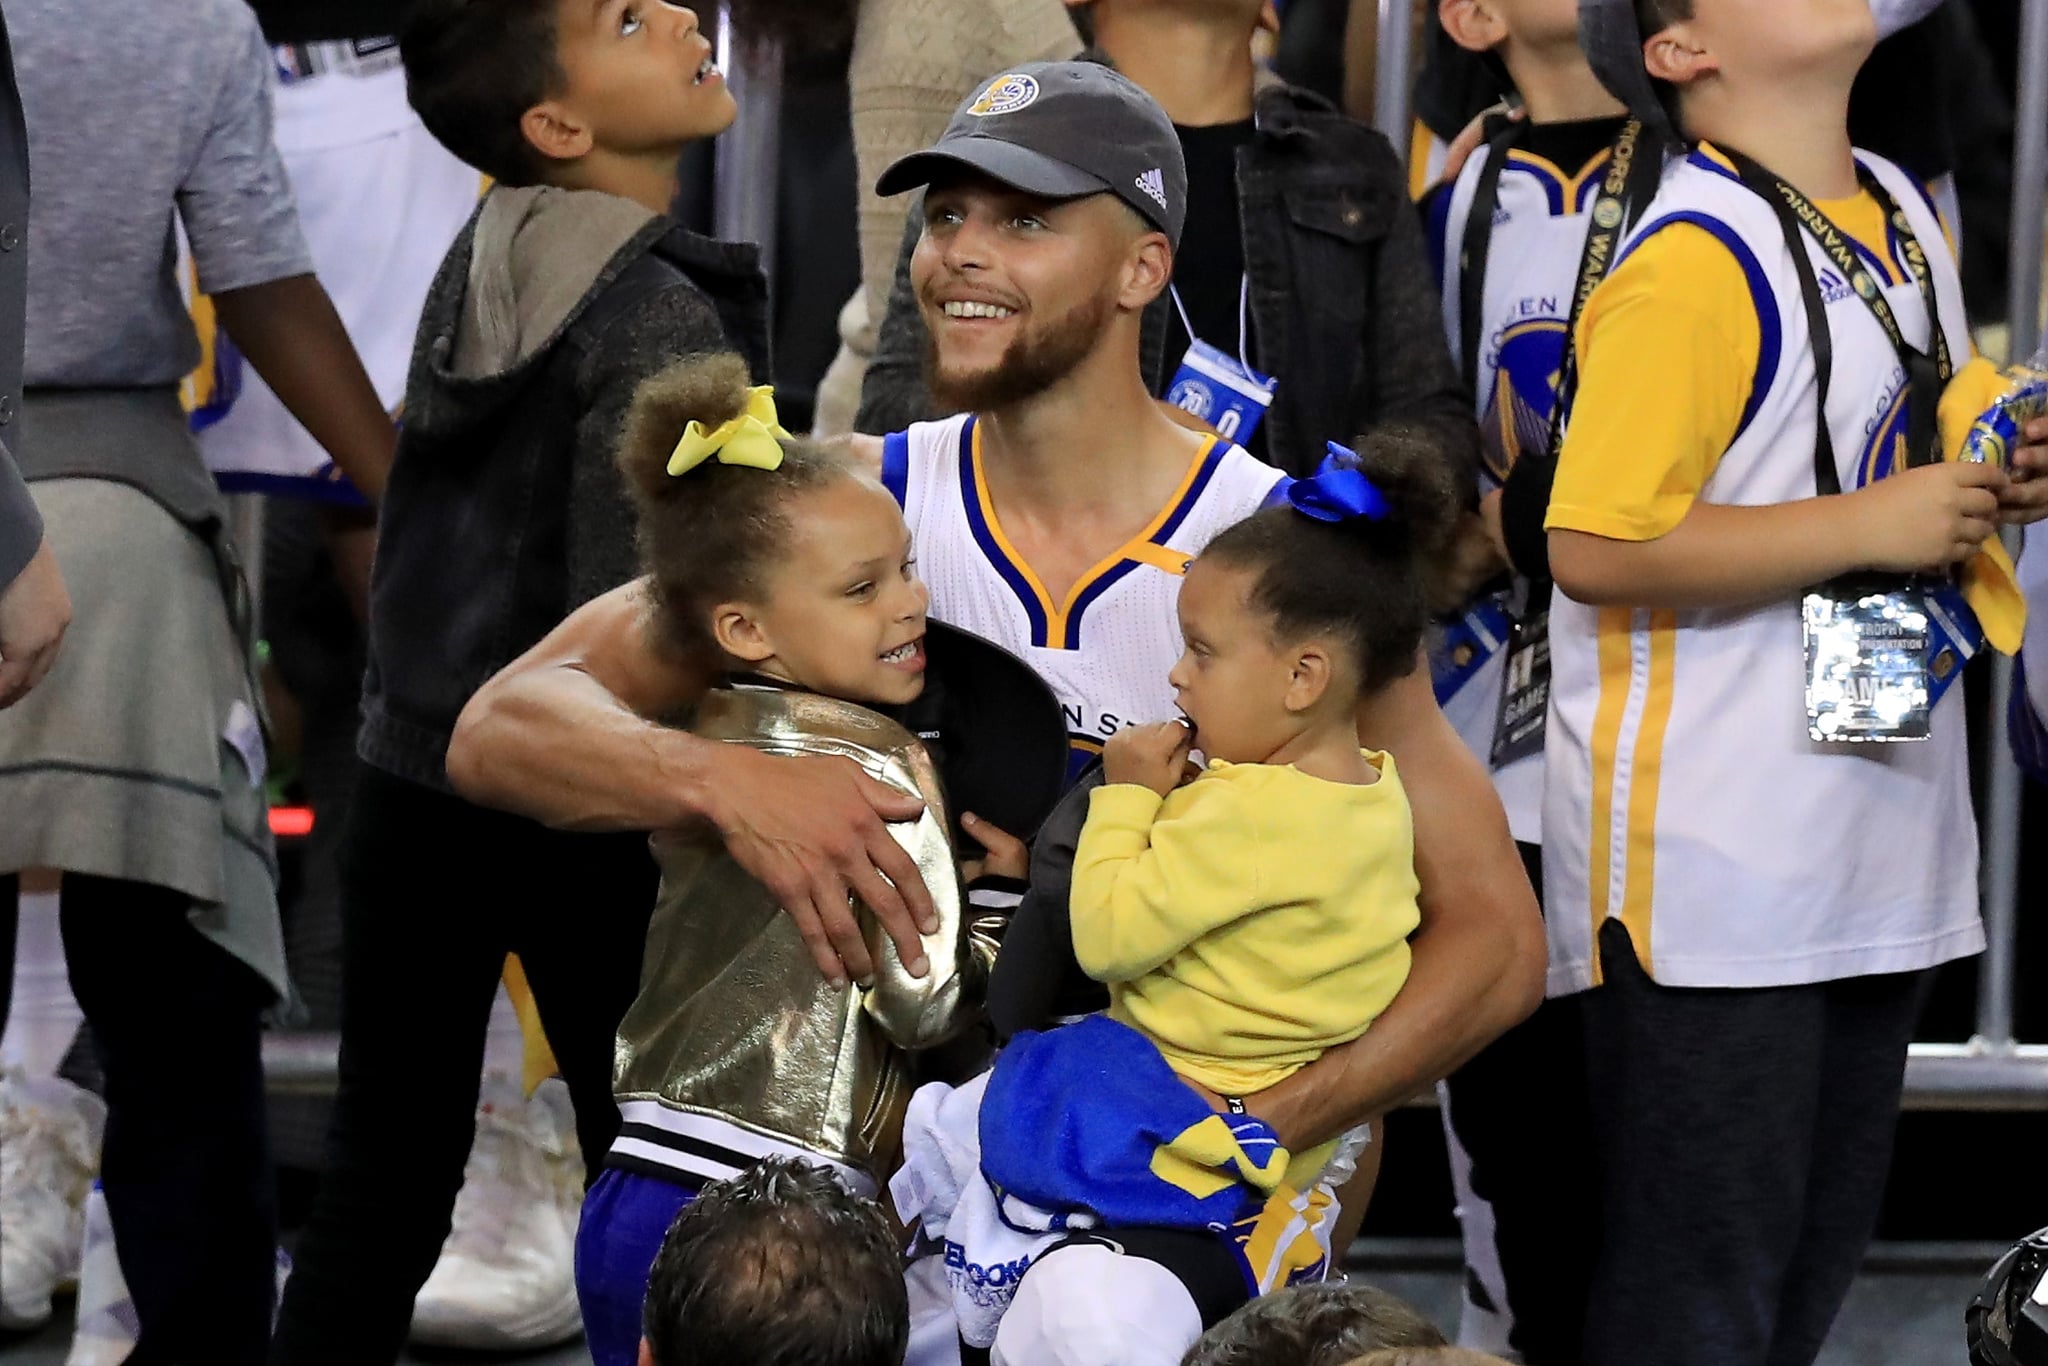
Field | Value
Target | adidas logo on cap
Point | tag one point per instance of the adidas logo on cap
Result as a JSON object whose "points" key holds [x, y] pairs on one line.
{"points": [[1153, 184]]}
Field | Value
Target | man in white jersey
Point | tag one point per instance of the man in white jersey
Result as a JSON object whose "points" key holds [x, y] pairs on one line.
{"points": [[1056, 520]]}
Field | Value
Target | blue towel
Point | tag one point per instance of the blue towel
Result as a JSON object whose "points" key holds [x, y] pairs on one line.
{"points": [[1090, 1117]]}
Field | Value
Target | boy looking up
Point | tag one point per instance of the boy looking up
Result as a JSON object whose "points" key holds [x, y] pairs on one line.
{"points": [[1758, 899]]}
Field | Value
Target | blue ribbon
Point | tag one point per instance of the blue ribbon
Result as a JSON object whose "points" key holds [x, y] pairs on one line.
{"points": [[1338, 491]]}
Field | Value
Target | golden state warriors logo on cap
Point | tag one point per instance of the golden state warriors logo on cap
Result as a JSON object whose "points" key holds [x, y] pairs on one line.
{"points": [[1006, 95]]}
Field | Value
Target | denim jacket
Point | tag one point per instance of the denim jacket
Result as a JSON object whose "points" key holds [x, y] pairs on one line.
{"points": [[1342, 298]]}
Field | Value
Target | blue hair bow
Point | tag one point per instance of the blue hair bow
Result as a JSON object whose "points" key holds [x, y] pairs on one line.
{"points": [[1338, 491]]}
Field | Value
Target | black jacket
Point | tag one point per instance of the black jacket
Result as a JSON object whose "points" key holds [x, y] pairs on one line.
{"points": [[1342, 297], [504, 512]]}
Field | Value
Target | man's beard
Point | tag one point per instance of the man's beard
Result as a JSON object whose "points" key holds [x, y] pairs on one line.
{"points": [[1030, 365]]}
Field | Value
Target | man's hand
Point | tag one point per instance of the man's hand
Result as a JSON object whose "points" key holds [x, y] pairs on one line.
{"points": [[1471, 137], [2025, 499], [1007, 856], [815, 832], [1473, 558], [34, 612], [1154, 756]]}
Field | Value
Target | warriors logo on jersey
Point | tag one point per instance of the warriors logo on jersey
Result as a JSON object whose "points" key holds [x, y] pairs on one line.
{"points": [[1526, 364], [1106, 646]]}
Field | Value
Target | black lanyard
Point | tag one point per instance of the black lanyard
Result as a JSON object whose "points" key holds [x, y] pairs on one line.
{"points": [[1925, 377], [1630, 183], [1620, 199], [1477, 243]]}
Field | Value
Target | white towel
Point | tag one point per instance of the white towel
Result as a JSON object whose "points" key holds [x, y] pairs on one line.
{"points": [[990, 1241]]}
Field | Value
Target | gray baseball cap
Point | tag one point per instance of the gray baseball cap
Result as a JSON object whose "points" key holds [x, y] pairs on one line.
{"points": [[1612, 40], [1062, 130]]}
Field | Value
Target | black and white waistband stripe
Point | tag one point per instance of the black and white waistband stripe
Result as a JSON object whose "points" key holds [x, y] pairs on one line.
{"points": [[704, 1148]]}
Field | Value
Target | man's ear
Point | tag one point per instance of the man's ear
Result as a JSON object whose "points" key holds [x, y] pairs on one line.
{"points": [[1471, 24], [1147, 272], [1310, 676], [739, 633], [1675, 55], [646, 1353], [555, 131]]}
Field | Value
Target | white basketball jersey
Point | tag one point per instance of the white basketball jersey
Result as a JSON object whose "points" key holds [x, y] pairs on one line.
{"points": [[1107, 649], [1538, 236], [1683, 795]]}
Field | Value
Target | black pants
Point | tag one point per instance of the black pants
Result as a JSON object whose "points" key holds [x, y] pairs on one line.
{"points": [[176, 1023], [1744, 1140], [435, 893], [1521, 1112]]}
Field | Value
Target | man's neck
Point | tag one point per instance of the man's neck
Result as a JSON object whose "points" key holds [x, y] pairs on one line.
{"points": [[1049, 454], [647, 180], [1557, 86], [1800, 134], [1198, 68]]}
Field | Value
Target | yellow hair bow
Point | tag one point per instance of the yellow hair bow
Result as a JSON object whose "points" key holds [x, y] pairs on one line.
{"points": [[754, 438]]}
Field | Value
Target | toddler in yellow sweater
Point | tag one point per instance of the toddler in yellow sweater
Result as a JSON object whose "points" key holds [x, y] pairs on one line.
{"points": [[1255, 912]]}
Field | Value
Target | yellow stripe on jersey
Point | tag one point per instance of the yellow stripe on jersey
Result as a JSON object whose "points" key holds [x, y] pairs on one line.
{"points": [[1568, 186], [1139, 549], [207, 385], [1174, 562], [1616, 630], [1285, 1237], [1420, 141], [1646, 764]]}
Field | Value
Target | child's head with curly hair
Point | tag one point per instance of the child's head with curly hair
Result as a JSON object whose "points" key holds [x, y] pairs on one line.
{"points": [[779, 556]]}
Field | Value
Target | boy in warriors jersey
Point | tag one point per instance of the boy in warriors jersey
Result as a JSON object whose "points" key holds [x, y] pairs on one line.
{"points": [[1511, 234], [1060, 516], [1756, 900]]}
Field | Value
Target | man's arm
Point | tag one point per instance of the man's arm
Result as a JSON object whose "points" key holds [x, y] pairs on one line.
{"points": [[1478, 958], [563, 735], [35, 610], [892, 393], [289, 332]]}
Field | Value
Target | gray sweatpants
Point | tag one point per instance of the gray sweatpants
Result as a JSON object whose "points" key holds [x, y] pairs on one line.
{"points": [[1743, 1139]]}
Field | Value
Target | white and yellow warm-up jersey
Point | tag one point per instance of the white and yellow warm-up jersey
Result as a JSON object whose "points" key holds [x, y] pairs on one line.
{"points": [[1683, 796], [1107, 649]]}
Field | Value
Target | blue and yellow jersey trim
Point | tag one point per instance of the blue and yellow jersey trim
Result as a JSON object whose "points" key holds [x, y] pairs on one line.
{"points": [[1057, 626], [1567, 193], [1892, 271]]}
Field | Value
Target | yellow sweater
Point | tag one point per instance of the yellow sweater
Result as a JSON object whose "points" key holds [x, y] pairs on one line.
{"points": [[1252, 919]]}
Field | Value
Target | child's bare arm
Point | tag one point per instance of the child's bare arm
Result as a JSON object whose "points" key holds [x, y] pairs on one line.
{"points": [[290, 333], [1720, 556]]}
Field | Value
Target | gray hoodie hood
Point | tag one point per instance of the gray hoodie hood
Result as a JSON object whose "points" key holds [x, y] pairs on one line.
{"points": [[537, 252]]}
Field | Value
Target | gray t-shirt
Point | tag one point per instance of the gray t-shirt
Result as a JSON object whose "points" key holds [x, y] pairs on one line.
{"points": [[136, 112]]}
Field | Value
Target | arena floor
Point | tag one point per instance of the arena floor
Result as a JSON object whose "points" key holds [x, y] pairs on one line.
{"points": [[1906, 1309]]}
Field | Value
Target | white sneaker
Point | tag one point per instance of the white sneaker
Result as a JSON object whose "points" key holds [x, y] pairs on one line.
{"points": [[49, 1149], [108, 1327], [506, 1280]]}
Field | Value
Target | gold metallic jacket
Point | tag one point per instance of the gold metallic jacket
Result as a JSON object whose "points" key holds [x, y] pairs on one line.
{"points": [[733, 1021]]}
